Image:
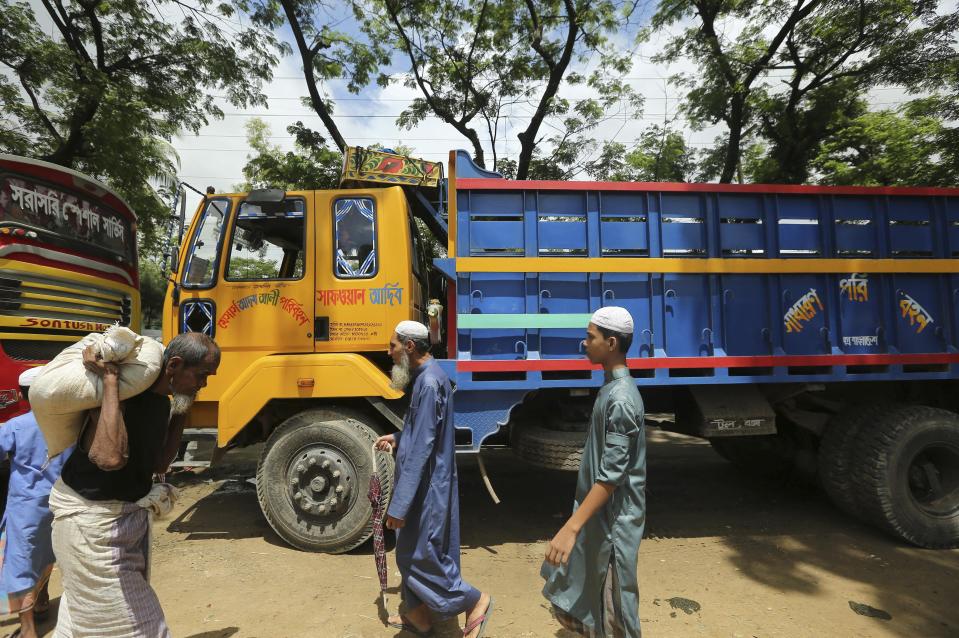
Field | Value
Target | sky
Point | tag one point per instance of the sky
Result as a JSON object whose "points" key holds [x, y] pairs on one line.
{"points": [[215, 156]]}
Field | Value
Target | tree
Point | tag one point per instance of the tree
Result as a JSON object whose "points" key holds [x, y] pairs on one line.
{"points": [[117, 78], [493, 63], [153, 285], [730, 68], [833, 56], [832, 50], [660, 155], [325, 52], [886, 148], [311, 166]]}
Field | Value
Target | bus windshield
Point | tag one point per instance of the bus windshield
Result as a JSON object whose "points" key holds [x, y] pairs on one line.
{"points": [[64, 218]]}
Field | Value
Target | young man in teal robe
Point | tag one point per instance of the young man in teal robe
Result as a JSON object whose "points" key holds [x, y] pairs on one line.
{"points": [[590, 569]]}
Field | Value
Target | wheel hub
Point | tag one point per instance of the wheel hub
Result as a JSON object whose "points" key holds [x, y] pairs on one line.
{"points": [[321, 482], [934, 479]]}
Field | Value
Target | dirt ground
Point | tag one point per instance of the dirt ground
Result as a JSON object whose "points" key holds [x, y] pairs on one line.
{"points": [[724, 555]]}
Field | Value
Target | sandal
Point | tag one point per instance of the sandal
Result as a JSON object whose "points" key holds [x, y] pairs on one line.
{"points": [[479, 622], [406, 625]]}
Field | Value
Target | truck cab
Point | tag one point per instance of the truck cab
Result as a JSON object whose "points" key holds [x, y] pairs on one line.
{"points": [[301, 290]]}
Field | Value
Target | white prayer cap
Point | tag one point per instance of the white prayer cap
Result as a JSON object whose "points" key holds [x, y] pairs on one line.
{"points": [[412, 330], [29, 376], [613, 318]]}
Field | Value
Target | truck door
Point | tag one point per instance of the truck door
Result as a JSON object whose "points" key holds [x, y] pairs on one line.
{"points": [[264, 302], [365, 282]]}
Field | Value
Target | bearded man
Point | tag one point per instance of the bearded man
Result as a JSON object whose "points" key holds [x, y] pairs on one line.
{"points": [[102, 503], [424, 510]]}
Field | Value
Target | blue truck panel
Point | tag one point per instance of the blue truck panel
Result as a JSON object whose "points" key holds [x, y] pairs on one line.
{"points": [[704, 324]]}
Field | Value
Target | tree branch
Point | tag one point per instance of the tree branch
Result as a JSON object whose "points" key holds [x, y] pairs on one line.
{"points": [[36, 103], [307, 58], [557, 70], [537, 42], [67, 29], [89, 8], [445, 114]]}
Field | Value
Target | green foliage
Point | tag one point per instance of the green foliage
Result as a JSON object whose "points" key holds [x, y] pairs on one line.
{"points": [[887, 148], [252, 268], [494, 66], [153, 285], [311, 167], [111, 79], [660, 155], [832, 51]]}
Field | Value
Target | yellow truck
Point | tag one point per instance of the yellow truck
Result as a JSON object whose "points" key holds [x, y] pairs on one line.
{"points": [[301, 290]]}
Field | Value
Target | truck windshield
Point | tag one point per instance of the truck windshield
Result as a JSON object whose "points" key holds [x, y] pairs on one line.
{"points": [[58, 217], [201, 266]]}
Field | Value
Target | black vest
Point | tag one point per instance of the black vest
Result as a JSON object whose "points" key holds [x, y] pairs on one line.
{"points": [[147, 417]]}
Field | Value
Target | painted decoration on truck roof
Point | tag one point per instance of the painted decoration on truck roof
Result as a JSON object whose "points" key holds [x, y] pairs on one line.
{"points": [[383, 167]]}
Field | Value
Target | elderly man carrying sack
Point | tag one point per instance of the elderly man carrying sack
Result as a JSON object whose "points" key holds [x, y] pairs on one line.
{"points": [[104, 500]]}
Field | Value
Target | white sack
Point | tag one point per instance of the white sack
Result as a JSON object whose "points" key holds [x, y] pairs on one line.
{"points": [[61, 395]]}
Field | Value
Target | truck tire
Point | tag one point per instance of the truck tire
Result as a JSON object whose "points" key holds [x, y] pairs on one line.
{"points": [[906, 473], [836, 449], [313, 477], [769, 456], [549, 449]]}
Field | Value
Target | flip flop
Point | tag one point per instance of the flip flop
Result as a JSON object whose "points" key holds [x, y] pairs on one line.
{"points": [[480, 622], [406, 625]]}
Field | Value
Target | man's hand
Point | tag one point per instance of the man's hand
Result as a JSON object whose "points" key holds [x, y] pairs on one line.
{"points": [[97, 366], [394, 523], [386, 444], [561, 546]]}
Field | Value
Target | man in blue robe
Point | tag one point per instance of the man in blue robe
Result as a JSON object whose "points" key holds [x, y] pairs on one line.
{"points": [[26, 550], [424, 509]]}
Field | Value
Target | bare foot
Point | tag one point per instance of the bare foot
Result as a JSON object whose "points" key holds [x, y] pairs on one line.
{"points": [[482, 606]]}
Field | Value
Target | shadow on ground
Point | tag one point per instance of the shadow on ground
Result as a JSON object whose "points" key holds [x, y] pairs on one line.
{"points": [[784, 535]]}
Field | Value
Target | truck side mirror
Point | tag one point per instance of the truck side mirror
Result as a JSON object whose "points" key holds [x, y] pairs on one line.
{"points": [[174, 259]]}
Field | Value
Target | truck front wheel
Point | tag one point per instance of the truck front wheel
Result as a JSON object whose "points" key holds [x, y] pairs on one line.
{"points": [[313, 477], [906, 475]]}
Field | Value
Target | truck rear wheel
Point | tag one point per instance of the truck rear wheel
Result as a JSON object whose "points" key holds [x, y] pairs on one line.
{"points": [[906, 475], [549, 449], [313, 477], [836, 449]]}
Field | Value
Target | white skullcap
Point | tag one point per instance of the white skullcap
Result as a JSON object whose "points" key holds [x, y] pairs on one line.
{"points": [[613, 318], [29, 376], [412, 330]]}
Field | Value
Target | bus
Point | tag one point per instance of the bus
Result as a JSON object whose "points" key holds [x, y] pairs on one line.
{"points": [[68, 266]]}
